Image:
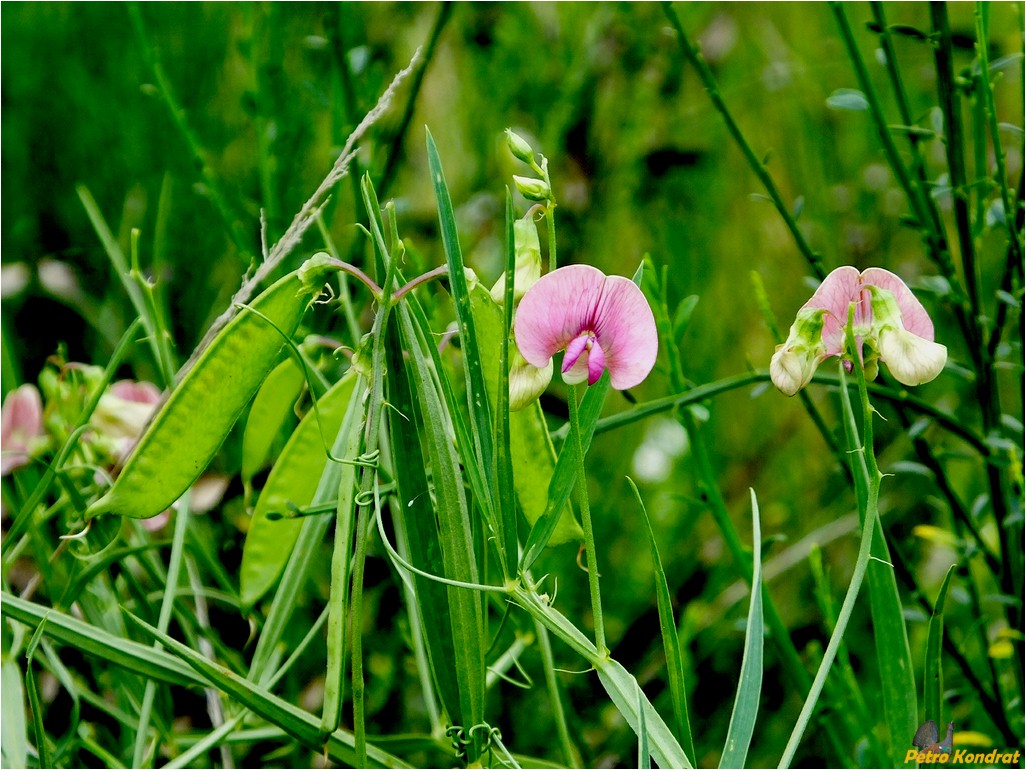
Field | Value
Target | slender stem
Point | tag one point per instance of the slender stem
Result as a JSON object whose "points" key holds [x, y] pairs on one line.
{"points": [[990, 110], [901, 97], [430, 275], [954, 146], [694, 57], [550, 221], [570, 753], [870, 519], [914, 190], [589, 534]]}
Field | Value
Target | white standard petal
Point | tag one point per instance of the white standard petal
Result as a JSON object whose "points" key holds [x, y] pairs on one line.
{"points": [[911, 359]]}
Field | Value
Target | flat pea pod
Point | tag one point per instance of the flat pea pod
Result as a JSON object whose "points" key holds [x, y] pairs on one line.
{"points": [[271, 408], [194, 421], [534, 457], [293, 479]]}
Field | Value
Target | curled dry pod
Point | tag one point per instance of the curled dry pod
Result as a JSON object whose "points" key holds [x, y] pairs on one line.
{"points": [[193, 422]]}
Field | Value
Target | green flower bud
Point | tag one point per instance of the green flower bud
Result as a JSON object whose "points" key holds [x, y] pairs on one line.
{"points": [[528, 262], [532, 189], [519, 147]]}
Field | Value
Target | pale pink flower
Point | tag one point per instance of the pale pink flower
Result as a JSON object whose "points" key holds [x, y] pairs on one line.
{"points": [[603, 322], [889, 322], [21, 427], [124, 411]]}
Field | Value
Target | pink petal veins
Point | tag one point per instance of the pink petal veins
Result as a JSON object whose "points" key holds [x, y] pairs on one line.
{"points": [[834, 295], [579, 300], [626, 331], [913, 315], [556, 310]]}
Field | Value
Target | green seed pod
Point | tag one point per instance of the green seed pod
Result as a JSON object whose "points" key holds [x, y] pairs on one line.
{"points": [[293, 479], [194, 421]]}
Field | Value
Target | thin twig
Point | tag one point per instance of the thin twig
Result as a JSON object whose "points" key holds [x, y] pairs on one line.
{"points": [[305, 217]]}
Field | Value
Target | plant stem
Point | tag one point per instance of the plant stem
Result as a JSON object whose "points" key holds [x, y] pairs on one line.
{"points": [[869, 522], [589, 534], [694, 57]]}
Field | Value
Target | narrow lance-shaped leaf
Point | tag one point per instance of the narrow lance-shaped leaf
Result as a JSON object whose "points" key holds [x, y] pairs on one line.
{"points": [[476, 391], [671, 642], [415, 508], [933, 686], [302, 726], [749, 688], [454, 534]]}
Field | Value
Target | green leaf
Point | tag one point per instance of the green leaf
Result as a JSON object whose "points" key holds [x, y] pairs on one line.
{"points": [[671, 642], [749, 688], [623, 690], [13, 728], [118, 650], [503, 474], [341, 561], [477, 394], [454, 531], [534, 457], [933, 686], [293, 479], [302, 726], [682, 316], [890, 637], [848, 99], [565, 473], [415, 521]]}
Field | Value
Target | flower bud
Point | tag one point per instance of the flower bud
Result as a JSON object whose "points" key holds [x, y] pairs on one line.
{"points": [[527, 262], [519, 147], [526, 382], [532, 189]]}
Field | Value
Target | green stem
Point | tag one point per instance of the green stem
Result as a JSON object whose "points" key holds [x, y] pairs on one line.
{"points": [[570, 753], [550, 221], [694, 57], [869, 520], [914, 190], [589, 534]]}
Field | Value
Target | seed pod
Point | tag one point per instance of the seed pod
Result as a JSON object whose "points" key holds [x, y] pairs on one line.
{"points": [[195, 419], [293, 479]]}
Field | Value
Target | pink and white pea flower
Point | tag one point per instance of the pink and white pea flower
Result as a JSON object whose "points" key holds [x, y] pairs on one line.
{"points": [[603, 322], [21, 427], [888, 320]]}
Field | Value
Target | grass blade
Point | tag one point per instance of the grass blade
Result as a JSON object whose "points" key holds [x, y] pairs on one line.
{"points": [[749, 688], [122, 652], [304, 727], [671, 642]]}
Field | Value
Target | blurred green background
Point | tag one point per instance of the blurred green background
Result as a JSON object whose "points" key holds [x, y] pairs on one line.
{"points": [[641, 164]]}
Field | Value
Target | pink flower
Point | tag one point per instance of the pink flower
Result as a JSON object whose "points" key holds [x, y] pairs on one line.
{"points": [[123, 413], [889, 325], [21, 427], [603, 322]]}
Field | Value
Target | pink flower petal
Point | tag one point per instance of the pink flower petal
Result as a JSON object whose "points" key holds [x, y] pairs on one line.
{"points": [[573, 351], [913, 315], [627, 332], [834, 295], [556, 309], [21, 420], [577, 300], [596, 363], [140, 392]]}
